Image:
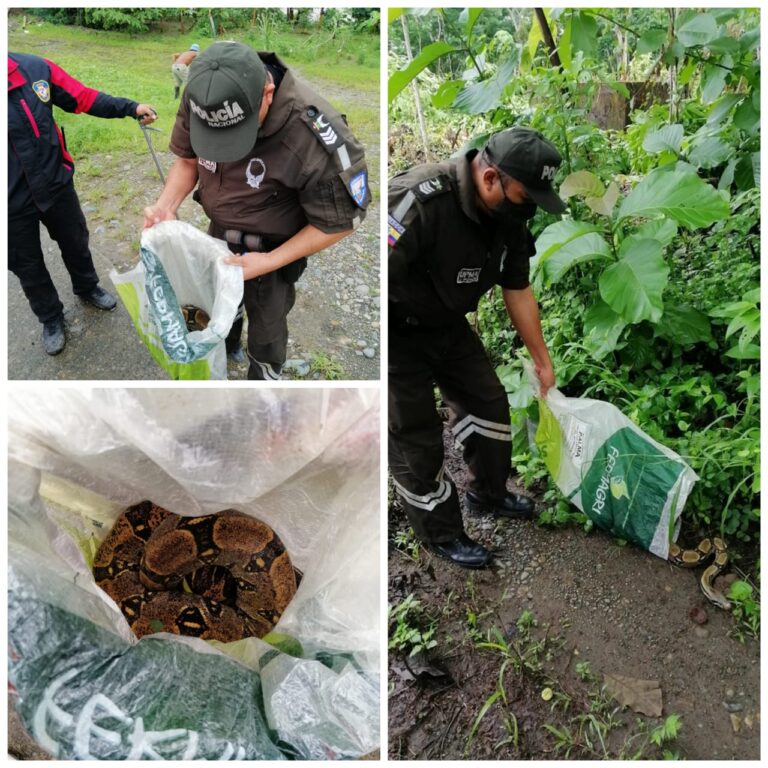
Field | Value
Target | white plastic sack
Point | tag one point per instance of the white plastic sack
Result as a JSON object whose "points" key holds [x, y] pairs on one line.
{"points": [[181, 265], [621, 478], [304, 461]]}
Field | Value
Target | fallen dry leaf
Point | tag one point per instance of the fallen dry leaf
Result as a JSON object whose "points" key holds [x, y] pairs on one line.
{"points": [[643, 696]]}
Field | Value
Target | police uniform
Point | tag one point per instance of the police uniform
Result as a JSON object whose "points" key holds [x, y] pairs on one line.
{"points": [[443, 256], [40, 178], [306, 167]]}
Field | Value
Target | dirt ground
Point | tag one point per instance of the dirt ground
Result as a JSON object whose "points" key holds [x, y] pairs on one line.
{"points": [[600, 609], [333, 327]]}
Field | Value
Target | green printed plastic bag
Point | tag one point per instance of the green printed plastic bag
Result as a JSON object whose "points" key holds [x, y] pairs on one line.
{"points": [[622, 479], [181, 265]]}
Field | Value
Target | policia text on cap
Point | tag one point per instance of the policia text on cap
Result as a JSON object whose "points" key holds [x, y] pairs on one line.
{"points": [[455, 230], [279, 174]]}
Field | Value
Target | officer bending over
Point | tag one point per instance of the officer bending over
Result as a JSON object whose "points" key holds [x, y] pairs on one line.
{"points": [[456, 229], [279, 174]]}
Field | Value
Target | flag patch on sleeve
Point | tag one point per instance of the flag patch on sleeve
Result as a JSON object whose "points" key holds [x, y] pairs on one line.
{"points": [[395, 230]]}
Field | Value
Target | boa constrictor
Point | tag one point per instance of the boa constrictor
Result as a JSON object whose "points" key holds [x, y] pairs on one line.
{"points": [[218, 577], [196, 319], [693, 558]]}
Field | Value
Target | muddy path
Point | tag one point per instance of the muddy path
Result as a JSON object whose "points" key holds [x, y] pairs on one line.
{"points": [[334, 326], [599, 609]]}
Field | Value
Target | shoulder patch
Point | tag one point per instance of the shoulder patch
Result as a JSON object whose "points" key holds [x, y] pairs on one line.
{"points": [[395, 230], [429, 188], [323, 129]]}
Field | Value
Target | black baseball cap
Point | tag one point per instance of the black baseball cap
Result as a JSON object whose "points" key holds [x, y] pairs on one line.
{"points": [[525, 155], [224, 88]]}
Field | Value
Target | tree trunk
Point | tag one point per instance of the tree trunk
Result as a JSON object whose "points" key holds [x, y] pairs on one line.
{"points": [[415, 88], [674, 95], [554, 57], [213, 24]]}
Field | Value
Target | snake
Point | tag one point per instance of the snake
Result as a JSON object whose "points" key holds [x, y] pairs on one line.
{"points": [[195, 318], [700, 555], [221, 577]]}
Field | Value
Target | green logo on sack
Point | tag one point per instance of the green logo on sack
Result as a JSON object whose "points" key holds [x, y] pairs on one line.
{"points": [[625, 488], [167, 316]]}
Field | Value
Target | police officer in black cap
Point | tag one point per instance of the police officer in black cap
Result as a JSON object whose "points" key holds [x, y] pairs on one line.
{"points": [[456, 229], [279, 173]]}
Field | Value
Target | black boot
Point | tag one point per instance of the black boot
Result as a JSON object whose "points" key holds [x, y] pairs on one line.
{"points": [[462, 551], [100, 299], [53, 336], [512, 505]]}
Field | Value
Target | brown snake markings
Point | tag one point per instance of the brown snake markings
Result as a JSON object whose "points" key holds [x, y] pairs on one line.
{"points": [[692, 558], [218, 577]]}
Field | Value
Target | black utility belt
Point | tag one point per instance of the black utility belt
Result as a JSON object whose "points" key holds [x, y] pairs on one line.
{"points": [[252, 241]]}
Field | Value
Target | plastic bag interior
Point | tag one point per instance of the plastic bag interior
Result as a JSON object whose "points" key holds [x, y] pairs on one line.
{"points": [[304, 461]]}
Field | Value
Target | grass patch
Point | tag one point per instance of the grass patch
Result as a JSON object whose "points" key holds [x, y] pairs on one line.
{"points": [[139, 67]]}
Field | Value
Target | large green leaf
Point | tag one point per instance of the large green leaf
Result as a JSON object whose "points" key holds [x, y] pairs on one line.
{"points": [[604, 204], [404, 77], [486, 95], [393, 14], [713, 80], [651, 41], [446, 93], [747, 173], [722, 107], [602, 329], [469, 17], [681, 195], [535, 36], [697, 30], [581, 183], [633, 286], [684, 325], [663, 230], [668, 138], [747, 117], [565, 244], [584, 33], [709, 152]]}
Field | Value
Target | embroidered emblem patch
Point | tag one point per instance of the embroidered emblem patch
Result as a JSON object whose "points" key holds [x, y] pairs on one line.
{"points": [[209, 165], [358, 187], [431, 187], [255, 172], [468, 275], [395, 230], [42, 90], [324, 130]]}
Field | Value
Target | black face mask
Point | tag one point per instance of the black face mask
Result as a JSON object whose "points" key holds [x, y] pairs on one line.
{"points": [[507, 210]]}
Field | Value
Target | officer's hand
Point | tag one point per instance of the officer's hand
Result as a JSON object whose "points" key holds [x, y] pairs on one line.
{"points": [[146, 114], [154, 214], [254, 264], [546, 376]]}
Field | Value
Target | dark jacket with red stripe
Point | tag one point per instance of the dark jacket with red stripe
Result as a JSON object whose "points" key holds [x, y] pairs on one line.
{"points": [[39, 166]]}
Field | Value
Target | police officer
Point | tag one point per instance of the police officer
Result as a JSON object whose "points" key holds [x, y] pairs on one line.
{"points": [[180, 67], [41, 188], [279, 174], [456, 229]]}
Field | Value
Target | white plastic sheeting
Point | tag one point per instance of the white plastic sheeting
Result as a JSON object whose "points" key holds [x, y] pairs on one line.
{"points": [[305, 461]]}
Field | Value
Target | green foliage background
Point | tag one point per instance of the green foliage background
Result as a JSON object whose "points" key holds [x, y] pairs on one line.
{"points": [[669, 205]]}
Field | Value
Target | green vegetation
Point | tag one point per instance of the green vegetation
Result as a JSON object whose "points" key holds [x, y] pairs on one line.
{"points": [[326, 367], [411, 630], [581, 724], [135, 61], [649, 284]]}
